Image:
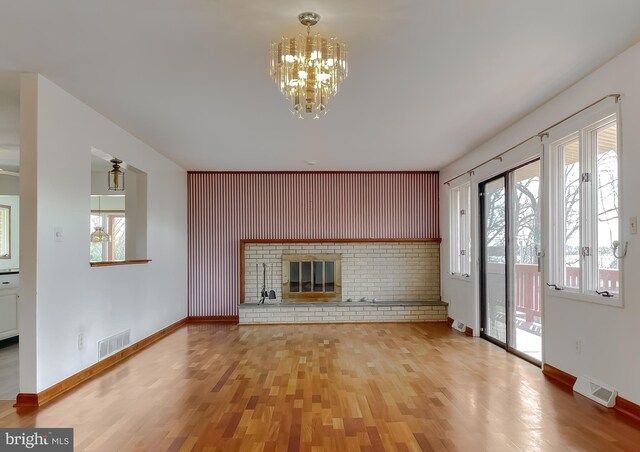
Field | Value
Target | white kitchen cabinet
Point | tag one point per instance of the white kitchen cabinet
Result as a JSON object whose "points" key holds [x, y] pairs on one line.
{"points": [[8, 316], [9, 283]]}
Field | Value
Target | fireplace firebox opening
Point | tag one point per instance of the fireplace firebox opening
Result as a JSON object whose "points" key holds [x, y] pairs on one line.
{"points": [[311, 277]]}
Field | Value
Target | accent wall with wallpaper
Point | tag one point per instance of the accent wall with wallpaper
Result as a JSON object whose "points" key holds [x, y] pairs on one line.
{"points": [[225, 207]]}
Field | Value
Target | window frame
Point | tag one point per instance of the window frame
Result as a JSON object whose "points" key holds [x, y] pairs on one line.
{"points": [[112, 216], [460, 230], [5, 225], [585, 131]]}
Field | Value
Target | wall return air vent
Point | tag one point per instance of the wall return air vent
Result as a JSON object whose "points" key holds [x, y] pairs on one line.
{"points": [[596, 391], [108, 346]]}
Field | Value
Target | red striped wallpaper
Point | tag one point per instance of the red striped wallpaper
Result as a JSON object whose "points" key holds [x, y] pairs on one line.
{"points": [[225, 207]]}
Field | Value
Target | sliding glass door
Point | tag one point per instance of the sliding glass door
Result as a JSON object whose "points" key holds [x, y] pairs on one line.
{"points": [[510, 277], [493, 210], [525, 297]]}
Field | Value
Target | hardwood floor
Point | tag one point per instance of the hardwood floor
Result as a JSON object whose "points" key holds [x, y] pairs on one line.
{"points": [[9, 379], [328, 387]]}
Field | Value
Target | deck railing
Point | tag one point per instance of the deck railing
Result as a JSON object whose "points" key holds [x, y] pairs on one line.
{"points": [[528, 284]]}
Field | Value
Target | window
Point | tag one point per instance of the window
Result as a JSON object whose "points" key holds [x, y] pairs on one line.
{"points": [[5, 232], [586, 224], [311, 277], [114, 224], [460, 203]]}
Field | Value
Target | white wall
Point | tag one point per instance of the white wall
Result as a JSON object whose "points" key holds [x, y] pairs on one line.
{"points": [[610, 345], [72, 297], [108, 202], [10, 113], [9, 185]]}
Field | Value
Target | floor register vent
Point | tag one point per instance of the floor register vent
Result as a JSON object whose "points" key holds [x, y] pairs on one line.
{"points": [[596, 391], [460, 326], [112, 344]]}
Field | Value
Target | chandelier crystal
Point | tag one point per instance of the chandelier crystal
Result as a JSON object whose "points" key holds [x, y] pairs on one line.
{"points": [[308, 69]]}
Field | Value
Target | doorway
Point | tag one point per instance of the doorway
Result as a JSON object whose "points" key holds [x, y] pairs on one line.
{"points": [[510, 292]]}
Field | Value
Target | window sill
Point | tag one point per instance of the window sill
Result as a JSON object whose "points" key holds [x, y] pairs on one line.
{"points": [[615, 302], [460, 277], [125, 262]]}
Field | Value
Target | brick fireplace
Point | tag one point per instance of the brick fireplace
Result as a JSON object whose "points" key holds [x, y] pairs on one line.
{"points": [[357, 280]]}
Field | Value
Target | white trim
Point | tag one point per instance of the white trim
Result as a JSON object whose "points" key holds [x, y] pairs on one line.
{"points": [[454, 231], [615, 302], [460, 230], [460, 277], [583, 129]]}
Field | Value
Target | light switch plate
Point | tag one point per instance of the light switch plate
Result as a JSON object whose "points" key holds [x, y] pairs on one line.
{"points": [[57, 232], [633, 225]]}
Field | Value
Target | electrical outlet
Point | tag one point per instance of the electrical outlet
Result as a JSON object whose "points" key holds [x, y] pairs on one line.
{"points": [[633, 225], [578, 347], [80, 341]]}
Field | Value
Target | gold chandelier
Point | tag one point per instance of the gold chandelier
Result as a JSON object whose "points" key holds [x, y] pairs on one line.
{"points": [[308, 69]]}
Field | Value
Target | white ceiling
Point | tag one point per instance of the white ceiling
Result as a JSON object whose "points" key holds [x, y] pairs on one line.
{"points": [[429, 79]]}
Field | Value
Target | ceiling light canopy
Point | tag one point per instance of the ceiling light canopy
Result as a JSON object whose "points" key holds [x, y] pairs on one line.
{"points": [[308, 69]]}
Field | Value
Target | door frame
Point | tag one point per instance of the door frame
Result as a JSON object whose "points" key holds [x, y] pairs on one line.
{"points": [[506, 176], [482, 267]]}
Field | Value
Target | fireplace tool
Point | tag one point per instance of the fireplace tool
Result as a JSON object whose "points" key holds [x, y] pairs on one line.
{"points": [[272, 293], [264, 283]]}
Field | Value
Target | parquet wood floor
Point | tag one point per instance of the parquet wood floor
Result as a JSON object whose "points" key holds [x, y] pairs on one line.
{"points": [[328, 387]]}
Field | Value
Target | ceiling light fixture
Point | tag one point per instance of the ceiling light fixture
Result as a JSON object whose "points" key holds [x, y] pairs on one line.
{"points": [[308, 69], [116, 176], [99, 235]]}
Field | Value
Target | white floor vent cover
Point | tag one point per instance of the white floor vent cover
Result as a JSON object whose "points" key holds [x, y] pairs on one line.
{"points": [[112, 344], [588, 387], [460, 326]]}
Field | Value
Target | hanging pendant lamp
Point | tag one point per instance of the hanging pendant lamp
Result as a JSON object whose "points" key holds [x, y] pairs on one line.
{"points": [[116, 176], [99, 235]]}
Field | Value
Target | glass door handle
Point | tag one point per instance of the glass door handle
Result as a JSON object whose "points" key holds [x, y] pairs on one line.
{"points": [[540, 255]]}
